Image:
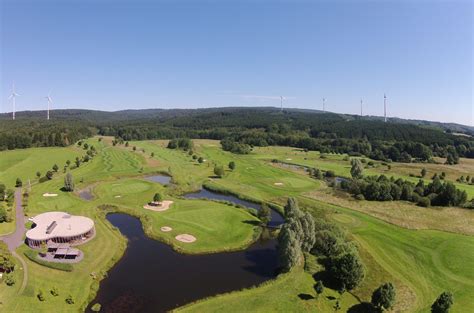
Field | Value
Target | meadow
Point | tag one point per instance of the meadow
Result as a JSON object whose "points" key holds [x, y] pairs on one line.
{"points": [[399, 242]]}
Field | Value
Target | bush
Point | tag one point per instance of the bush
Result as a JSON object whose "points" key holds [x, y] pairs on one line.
{"points": [[9, 280], [329, 174], [219, 171], [69, 299], [424, 202], [96, 307]]}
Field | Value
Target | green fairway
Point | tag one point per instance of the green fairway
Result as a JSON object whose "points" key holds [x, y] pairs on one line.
{"points": [[24, 163]]}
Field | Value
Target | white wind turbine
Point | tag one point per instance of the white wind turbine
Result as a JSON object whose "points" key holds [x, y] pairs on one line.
{"points": [[13, 96], [50, 101]]}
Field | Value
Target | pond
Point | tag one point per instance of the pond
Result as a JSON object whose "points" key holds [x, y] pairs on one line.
{"points": [[86, 194], [161, 179], [276, 218], [151, 277]]}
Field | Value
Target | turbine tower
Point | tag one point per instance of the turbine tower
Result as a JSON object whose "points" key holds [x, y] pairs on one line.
{"points": [[324, 104], [361, 108], [13, 96], [50, 101], [281, 103], [385, 107]]}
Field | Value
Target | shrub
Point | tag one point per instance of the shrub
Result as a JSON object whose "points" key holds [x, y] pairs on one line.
{"points": [[424, 202], [69, 299], [219, 170]]}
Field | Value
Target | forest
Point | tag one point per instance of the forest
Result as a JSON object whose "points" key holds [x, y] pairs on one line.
{"points": [[242, 128]]}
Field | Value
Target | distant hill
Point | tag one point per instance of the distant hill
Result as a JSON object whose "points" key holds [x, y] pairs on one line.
{"points": [[100, 117]]}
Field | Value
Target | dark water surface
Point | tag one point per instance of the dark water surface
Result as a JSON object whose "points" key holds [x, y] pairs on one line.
{"points": [[161, 179], [276, 220], [151, 277]]}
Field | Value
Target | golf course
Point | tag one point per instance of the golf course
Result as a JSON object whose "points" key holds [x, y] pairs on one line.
{"points": [[399, 242]]}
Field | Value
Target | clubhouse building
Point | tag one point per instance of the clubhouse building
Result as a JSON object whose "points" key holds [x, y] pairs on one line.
{"points": [[59, 230]]}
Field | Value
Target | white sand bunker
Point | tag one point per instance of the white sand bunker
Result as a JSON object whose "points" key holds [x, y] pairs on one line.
{"points": [[186, 238], [166, 229], [118, 197], [288, 159], [50, 194], [158, 206], [278, 184]]}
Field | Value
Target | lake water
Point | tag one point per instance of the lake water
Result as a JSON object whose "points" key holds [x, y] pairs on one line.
{"points": [[151, 277], [161, 179]]}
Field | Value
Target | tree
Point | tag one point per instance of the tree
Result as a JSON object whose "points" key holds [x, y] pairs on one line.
{"points": [[68, 162], [383, 298], [49, 175], [219, 170], [319, 288], [18, 182], [54, 291], [152, 154], [423, 172], [134, 148], [232, 165], [357, 168], [68, 182], [157, 197], [289, 251], [348, 270], [200, 160], [55, 167], [38, 174], [443, 303], [264, 214]]}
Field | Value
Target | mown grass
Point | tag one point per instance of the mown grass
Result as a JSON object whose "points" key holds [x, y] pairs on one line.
{"points": [[24, 163]]}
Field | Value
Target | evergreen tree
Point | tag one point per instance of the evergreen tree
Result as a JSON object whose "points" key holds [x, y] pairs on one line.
{"points": [[443, 303], [383, 298], [68, 182]]}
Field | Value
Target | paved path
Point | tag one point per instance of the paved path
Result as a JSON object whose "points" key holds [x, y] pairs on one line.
{"points": [[15, 239]]}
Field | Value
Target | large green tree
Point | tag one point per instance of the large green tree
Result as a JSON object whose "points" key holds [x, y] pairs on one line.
{"points": [[383, 298]]}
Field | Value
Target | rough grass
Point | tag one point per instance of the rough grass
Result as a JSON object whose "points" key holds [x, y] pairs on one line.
{"points": [[402, 213]]}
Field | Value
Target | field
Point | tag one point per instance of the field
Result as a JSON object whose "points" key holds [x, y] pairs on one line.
{"points": [[399, 242]]}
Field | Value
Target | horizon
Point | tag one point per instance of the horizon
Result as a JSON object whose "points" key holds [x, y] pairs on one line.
{"points": [[389, 118], [144, 55]]}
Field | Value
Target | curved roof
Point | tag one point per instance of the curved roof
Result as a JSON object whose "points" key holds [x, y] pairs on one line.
{"points": [[58, 224]]}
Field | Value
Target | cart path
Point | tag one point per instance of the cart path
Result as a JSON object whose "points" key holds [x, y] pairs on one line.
{"points": [[15, 239]]}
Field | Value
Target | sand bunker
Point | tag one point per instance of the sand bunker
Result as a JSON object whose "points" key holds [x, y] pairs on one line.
{"points": [[166, 229], [118, 197], [50, 194], [158, 206], [288, 159], [186, 238], [278, 184]]}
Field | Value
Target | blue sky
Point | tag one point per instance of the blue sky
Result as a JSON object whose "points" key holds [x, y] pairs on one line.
{"points": [[113, 55]]}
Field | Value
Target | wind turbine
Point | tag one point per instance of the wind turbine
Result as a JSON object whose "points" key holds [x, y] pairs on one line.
{"points": [[385, 107], [324, 104], [361, 107], [281, 103], [13, 96], [50, 101]]}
